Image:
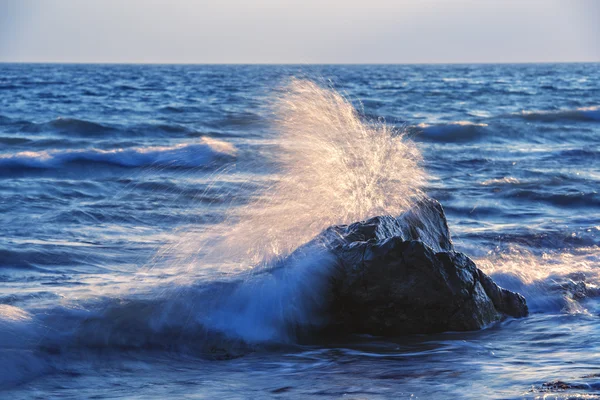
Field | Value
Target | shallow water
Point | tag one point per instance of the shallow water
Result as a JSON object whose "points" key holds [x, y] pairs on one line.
{"points": [[112, 175]]}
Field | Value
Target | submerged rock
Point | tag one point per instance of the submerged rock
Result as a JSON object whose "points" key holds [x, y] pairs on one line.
{"points": [[402, 275]]}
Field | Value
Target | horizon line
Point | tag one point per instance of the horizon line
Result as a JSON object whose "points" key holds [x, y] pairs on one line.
{"points": [[299, 63]]}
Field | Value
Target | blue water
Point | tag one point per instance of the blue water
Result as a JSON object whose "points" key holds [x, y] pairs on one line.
{"points": [[107, 173]]}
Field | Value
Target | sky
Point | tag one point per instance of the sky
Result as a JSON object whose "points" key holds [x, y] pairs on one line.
{"points": [[299, 31]]}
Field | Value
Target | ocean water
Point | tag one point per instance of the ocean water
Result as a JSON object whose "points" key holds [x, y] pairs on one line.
{"points": [[142, 206]]}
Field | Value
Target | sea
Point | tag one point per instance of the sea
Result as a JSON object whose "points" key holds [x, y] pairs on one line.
{"points": [[142, 208]]}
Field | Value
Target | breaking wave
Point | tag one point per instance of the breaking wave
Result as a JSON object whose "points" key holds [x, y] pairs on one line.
{"points": [[186, 155], [585, 114]]}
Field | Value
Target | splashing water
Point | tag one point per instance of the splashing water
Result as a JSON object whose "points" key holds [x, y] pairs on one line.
{"points": [[335, 169]]}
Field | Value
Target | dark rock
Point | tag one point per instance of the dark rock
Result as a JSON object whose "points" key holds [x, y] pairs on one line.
{"points": [[574, 286], [425, 222], [558, 386], [401, 275]]}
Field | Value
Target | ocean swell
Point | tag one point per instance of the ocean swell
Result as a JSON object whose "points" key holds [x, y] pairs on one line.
{"points": [[186, 155], [584, 114], [457, 131]]}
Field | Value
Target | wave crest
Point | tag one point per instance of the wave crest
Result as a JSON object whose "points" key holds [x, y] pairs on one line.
{"points": [[585, 114], [187, 155]]}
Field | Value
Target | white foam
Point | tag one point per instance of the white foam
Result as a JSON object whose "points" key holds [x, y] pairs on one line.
{"points": [[507, 180], [548, 281]]}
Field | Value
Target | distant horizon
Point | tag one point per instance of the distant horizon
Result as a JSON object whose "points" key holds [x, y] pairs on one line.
{"points": [[294, 64]]}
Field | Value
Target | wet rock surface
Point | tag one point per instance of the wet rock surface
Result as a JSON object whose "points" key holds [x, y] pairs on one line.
{"points": [[587, 387], [402, 275]]}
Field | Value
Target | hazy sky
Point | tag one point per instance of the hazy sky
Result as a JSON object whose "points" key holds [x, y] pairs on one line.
{"points": [[299, 31]]}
